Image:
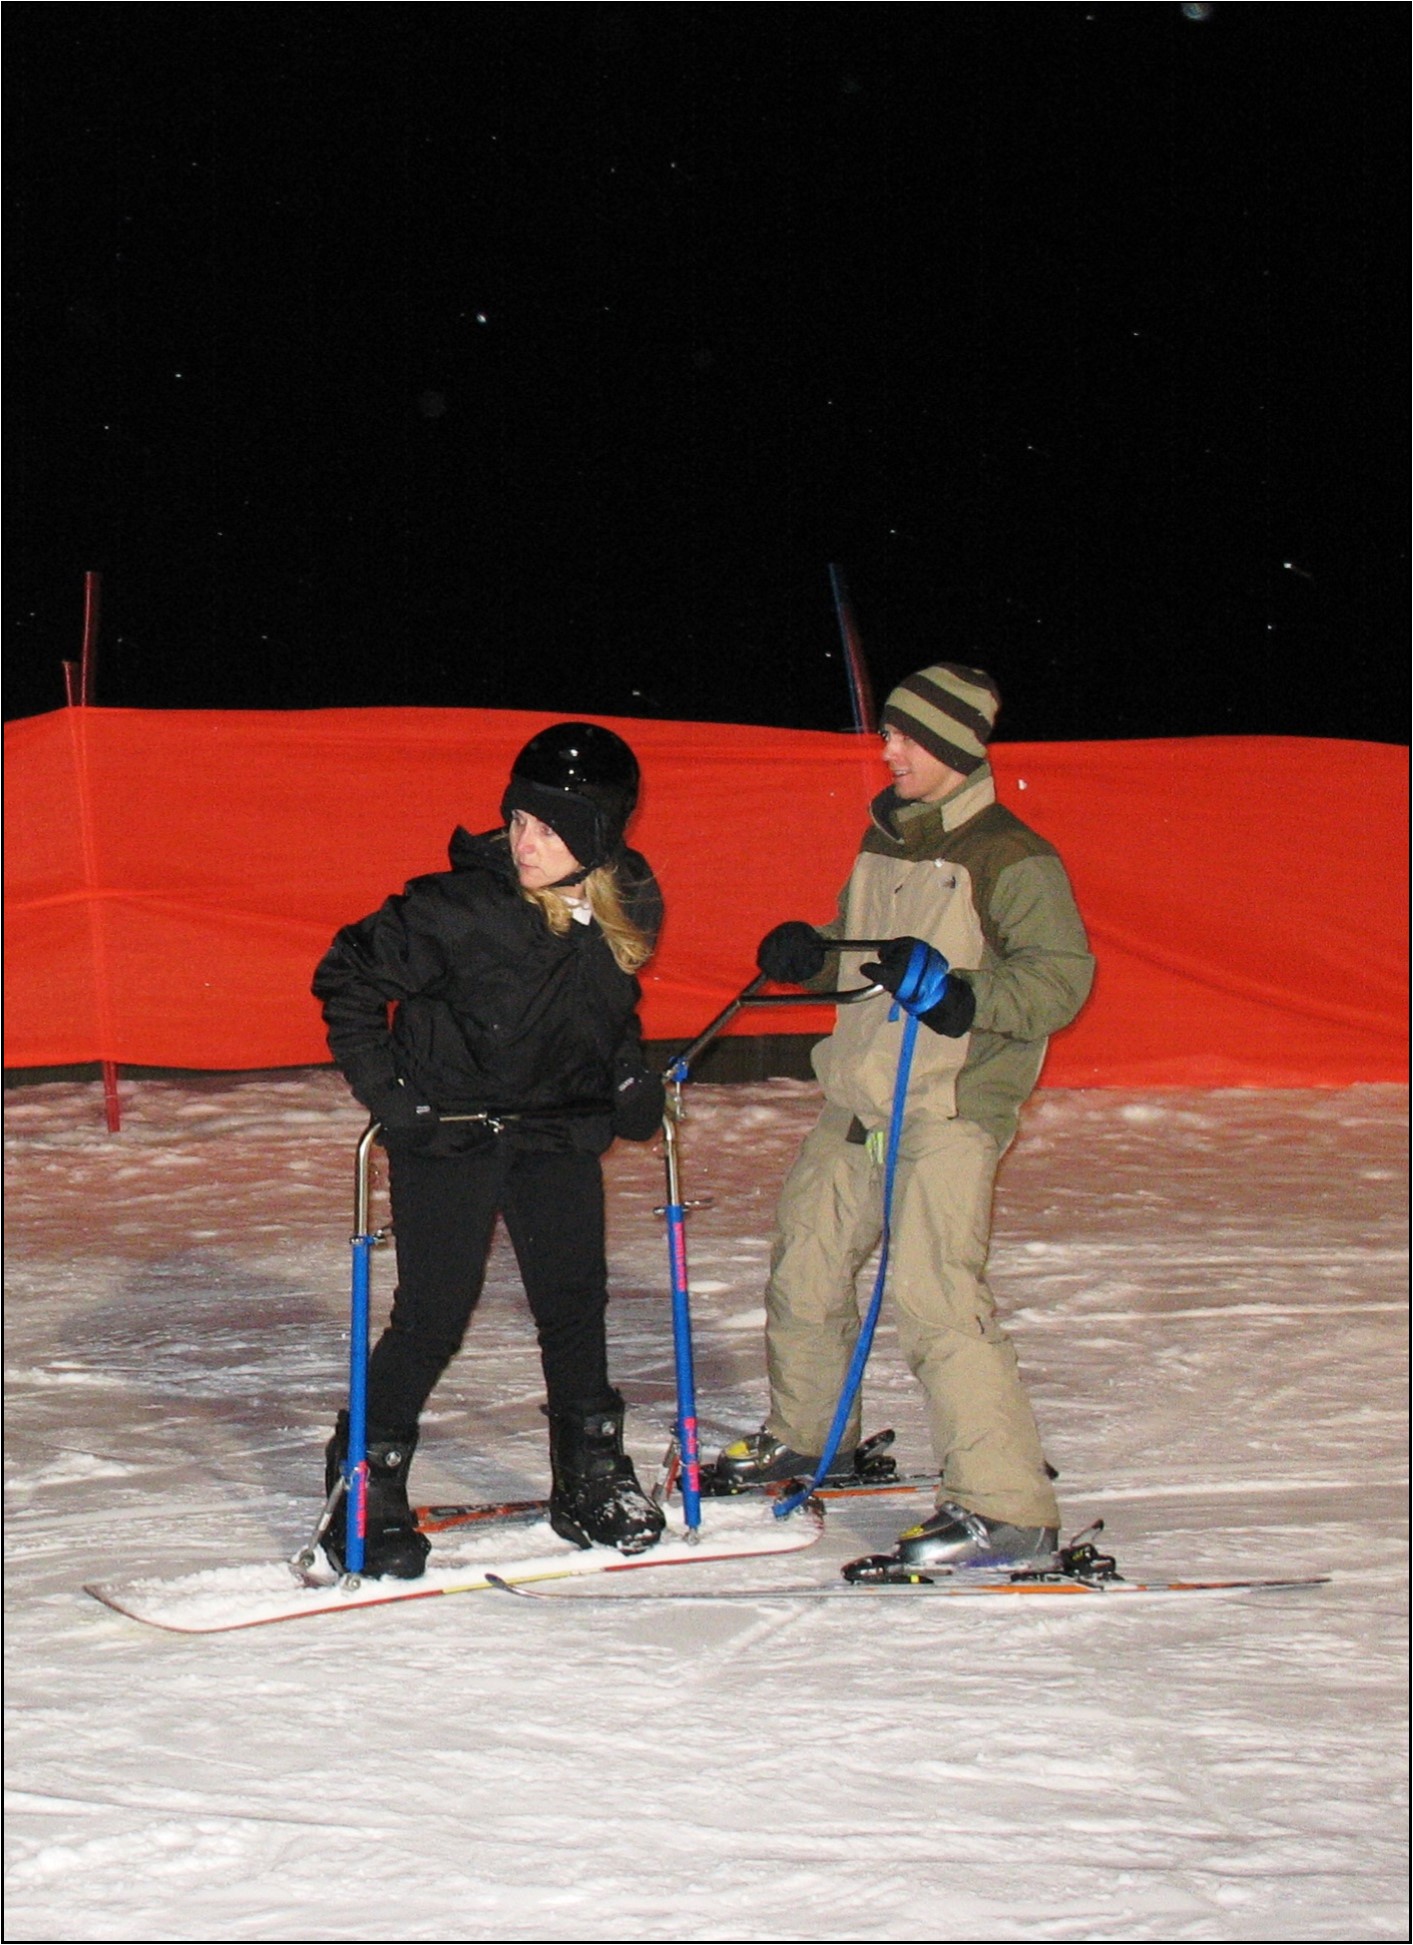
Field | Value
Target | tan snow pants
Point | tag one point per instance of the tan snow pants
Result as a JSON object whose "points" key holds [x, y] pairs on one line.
{"points": [[829, 1221]]}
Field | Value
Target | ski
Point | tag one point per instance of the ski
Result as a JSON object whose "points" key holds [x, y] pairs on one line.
{"points": [[872, 1474], [527, 1512], [1078, 1569], [962, 1587], [505, 1512], [836, 1486], [221, 1600]]}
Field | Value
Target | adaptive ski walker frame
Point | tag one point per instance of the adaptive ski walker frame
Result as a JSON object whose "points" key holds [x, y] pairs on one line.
{"points": [[352, 1482], [688, 1446]]}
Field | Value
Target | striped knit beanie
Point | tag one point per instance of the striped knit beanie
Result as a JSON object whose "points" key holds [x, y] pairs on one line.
{"points": [[950, 710]]}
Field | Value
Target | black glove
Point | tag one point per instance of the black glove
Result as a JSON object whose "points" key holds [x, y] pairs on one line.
{"points": [[639, 1103], [951, 1011], [792, 953], [403, 1116]]}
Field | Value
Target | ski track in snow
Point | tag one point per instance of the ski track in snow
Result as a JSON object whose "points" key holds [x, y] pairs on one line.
{"points": [[1208, 1292]]}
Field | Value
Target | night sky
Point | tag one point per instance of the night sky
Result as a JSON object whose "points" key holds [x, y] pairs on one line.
{"points": [[545, 356]]}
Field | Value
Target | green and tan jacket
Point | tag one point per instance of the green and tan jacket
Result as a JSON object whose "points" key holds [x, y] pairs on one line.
{"points": [[972, 880]]}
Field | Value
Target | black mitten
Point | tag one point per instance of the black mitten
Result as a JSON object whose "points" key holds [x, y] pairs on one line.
{"points": [[403, 1116], [792, 953], [937, 996], [955, 1011], [639, 1103]]}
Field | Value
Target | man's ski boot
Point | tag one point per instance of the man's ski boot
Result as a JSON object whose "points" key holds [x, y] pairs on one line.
{"points": [[596, 1500], [760, 1459], [954, 1536], [392, 1546], [1080, 1561]]}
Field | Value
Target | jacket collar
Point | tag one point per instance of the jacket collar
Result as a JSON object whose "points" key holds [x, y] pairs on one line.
{"points": [[916, 826]]}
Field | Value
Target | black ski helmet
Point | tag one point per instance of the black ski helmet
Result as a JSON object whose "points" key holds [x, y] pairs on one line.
{"points": [[582, 781]]}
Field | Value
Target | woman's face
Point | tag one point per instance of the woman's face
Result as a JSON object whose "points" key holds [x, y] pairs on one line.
{"points": [[541, 857]]}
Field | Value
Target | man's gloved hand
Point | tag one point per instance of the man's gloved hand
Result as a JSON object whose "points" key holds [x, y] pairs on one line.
{"points": [[394, 1104], [934, 994], [639, 1103], [792, 953]]}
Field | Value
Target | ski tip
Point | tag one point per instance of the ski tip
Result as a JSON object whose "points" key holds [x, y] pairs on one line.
{"points": [[500, 1585]]}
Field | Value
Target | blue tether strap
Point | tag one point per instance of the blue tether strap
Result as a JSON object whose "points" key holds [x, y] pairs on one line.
{"points": [[920, 989]]}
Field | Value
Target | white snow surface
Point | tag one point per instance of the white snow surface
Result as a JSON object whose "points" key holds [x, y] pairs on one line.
{"points": [[1208, 1292]]}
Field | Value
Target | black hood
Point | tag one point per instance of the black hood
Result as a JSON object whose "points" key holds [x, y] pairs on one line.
{"points": [[481, 851]]}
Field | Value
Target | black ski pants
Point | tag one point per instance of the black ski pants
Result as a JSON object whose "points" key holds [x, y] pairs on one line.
{"points": [[444, 1214]]}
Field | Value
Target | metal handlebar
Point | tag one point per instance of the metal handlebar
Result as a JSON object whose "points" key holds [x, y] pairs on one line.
{"points": [[752, 996]]}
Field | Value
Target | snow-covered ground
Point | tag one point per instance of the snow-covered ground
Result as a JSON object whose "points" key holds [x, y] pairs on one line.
{"points": [[1209, 1296]]}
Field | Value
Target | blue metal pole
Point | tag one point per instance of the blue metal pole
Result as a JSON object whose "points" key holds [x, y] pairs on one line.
{"points": [[854, 1377], [355, 1463], [688, 1445]]}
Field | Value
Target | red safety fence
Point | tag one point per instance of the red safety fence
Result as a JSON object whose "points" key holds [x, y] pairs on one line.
{"points": [[173, 876]]}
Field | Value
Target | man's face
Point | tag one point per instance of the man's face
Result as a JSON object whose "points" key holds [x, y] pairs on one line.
{"points": [[918, 776]]}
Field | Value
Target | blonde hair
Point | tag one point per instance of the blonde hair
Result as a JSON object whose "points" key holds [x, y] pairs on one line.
{"points": [[631, 947]]}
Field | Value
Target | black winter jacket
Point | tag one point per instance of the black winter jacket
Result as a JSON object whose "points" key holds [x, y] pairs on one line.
{"points": [[458, 989]]}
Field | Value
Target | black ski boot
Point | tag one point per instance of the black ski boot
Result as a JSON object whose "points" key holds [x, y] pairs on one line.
{"points": [[392, 1546], [596, 1500], [956, 1537], [761, 1459]]}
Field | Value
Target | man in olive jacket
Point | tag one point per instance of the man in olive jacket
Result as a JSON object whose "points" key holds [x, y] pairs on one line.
{"points": [[1003, 963]]}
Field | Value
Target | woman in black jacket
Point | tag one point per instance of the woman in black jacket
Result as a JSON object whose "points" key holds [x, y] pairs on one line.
{"points": [[487, 1017]]}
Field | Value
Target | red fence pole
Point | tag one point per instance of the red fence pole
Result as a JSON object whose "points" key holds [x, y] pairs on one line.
{"points": [[80, 689], [88, 665]]}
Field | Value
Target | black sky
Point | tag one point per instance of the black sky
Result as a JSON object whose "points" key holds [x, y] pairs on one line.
{"points": [[545, 356]]}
